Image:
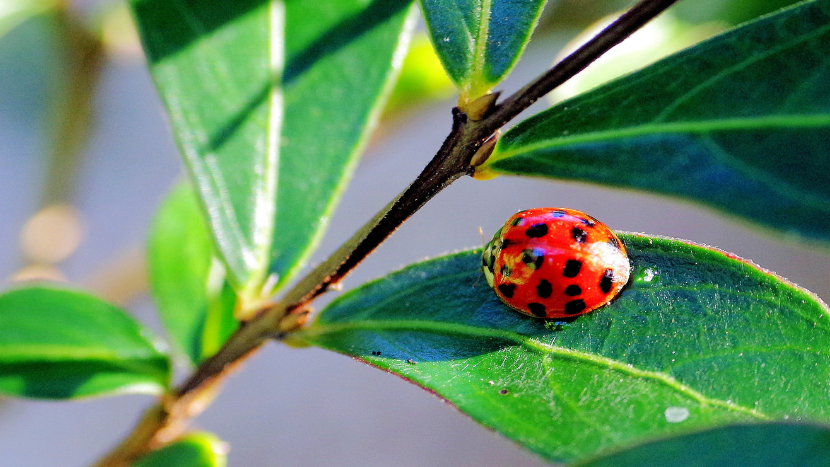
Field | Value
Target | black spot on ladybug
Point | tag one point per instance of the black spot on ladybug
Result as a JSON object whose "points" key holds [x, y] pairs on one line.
{"points": [[572, 268], [587, 222], [575, 306], [614, 242], [607, 281], [505, 270], [507, 289], [537, 230], [533, 258], [579, 235], [537, 309], [492, 266], [517, 221], [544, 289], [558, 213], [573, 290], [505, 243]]}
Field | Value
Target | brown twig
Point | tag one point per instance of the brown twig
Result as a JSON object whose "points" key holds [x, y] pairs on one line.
{"points": [[167, 420]]}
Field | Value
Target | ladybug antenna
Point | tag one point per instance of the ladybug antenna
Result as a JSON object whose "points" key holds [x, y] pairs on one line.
{"points": [[483, 243]]}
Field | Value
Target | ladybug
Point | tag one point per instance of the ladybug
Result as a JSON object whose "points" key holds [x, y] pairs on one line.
{"points": [[555, 263]]}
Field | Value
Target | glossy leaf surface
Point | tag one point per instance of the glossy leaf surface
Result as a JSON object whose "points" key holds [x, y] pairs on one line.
{"points": [[697, 339], [62, 344], [763, 445], [479, 41], [193, 297], [740, 123], [194, 450], [270, 103]]}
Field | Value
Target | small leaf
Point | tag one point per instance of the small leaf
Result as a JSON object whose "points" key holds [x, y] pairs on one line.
{"points": [[764, 445], [194, 299], [479, 41], [14, 12], [698, 338], [271, 103], [740, 122], [198, 449], [62, 344]]}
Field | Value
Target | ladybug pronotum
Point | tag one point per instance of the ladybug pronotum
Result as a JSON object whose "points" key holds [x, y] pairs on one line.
{"points": [[555, 263]]}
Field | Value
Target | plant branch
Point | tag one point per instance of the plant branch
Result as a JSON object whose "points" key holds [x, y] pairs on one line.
{"points": [[628, 23], [166, 421]]}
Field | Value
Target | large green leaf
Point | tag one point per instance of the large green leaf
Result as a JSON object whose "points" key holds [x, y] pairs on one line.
{"points": [[194, 299], [195, 450], [479, 41], [698, 338], [740, 122], [271, 103], [763, 445], [62, 344]]}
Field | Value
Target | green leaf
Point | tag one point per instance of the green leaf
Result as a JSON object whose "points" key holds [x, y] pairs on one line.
{"points": [[479, 41], [194, 299], [62, 344], [764, 445], [660, 37], [729, 11], [14, 12], [198, 449], [740, 123], [698, 338], [271, 104]]}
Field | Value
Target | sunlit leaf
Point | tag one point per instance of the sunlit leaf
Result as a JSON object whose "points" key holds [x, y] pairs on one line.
{"points": [[698, 339], [62, 344], [740, 123], [271, 103]]}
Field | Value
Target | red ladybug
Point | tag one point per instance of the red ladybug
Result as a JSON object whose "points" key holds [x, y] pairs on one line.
{"points": [[555, 263]]}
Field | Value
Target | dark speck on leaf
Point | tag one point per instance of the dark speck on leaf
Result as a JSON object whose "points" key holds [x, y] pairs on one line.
{"points": [[504, 392]]}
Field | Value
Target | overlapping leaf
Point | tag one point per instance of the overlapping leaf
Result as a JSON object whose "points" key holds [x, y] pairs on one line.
{"points": [[479, 41], [194, 299], [697, 339], [270, 102], [740, 122], [763, 445], [61, 344]]}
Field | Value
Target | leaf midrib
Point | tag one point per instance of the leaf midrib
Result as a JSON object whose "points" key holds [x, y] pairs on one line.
{"points": [[746, 63], [319, 329]]}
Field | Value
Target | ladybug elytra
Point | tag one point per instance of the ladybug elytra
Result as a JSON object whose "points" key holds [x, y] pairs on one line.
{"points": [[555, 263]]}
